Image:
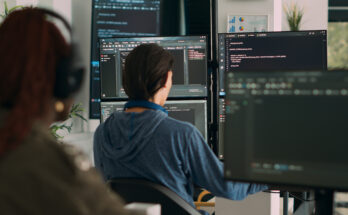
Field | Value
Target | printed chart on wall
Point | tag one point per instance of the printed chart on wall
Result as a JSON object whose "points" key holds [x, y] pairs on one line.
{"points": [[247, 23]]}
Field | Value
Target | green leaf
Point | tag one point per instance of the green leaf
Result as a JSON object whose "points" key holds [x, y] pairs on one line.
{"points": [[15, 8], [6, 8], [81, 117], [75, 112], [294, 16]]}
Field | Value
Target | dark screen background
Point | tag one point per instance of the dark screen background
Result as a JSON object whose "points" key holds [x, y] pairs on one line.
{"points": [[301, 53], [193, 112], [108, 63], [178, 67], [301, 126], [272, 51], [186, 115], [299, 138], [196, 65]]}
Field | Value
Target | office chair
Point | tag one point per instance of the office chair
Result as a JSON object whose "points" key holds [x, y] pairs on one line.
{"points": [[139, 190]]}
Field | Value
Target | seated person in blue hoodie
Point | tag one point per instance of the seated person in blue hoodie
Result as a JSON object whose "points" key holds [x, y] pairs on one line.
{"points": [[144, 142]]}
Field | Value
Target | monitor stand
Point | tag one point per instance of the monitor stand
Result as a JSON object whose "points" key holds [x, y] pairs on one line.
{"points": [[324, 202]]}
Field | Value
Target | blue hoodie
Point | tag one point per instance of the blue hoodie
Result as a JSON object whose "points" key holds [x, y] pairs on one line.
{"points": [[153, 146]]}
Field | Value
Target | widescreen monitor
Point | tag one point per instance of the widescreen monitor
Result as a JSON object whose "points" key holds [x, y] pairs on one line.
{"points": [[189, 70], [287, 128], [192, 111], [265, 51]]}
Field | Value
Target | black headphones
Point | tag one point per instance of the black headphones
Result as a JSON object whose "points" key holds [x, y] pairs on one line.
{"points": [[70, 69]]}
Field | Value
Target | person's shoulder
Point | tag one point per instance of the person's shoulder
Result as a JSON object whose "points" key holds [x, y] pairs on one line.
{"points": [[179, 125]]}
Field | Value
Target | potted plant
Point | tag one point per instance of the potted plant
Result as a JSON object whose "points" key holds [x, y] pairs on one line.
{"points": [[57, 129], [294, 15]]}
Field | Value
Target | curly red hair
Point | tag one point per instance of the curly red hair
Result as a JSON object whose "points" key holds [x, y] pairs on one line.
{"points": [[30, 47]]}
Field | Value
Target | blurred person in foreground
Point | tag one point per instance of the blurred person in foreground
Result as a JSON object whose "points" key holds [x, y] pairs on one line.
{"points": [[38, 175]]}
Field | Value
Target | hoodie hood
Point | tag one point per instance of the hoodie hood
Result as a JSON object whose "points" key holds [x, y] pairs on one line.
{"points": [[125, 134]]}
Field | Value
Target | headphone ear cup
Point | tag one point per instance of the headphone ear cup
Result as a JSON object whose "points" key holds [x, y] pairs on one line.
{"points": [[69, 75]]}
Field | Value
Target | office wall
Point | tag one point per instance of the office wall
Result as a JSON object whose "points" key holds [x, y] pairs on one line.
{"points": [[251, 7], [61, 6], [81, 22], [315, 14], [10, 4]]}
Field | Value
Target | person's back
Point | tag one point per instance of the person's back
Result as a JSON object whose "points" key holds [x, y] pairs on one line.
{"points": [[147, 145], [143, 142], [39, 77], [45, 177]]}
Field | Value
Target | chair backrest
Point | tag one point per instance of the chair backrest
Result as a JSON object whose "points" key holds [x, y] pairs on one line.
{"points": [[139, 190]]}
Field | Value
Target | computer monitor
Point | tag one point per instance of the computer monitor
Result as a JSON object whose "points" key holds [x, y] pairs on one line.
{"points": [[265, 51], [112, 18], [189, 70], [287, 128], [192, 111]]}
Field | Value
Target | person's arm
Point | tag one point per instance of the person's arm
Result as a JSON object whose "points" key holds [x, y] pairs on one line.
{"points": [[207, 171]]}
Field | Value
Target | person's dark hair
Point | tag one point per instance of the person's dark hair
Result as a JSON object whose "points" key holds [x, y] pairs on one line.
{"points": [[146, 71], [30, 48]]}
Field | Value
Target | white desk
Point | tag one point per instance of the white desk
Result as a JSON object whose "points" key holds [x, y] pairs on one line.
{"points": [[260, 204]]}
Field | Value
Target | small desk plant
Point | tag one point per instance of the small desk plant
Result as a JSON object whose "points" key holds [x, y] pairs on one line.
{"points": [[7, 10], [76, 110], [294, 15]]}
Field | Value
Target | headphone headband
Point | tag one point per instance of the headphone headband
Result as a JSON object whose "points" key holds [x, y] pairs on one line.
{"points": [[69, 69], [56, 15]]}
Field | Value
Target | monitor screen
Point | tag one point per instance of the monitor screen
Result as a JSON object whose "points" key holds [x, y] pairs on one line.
{"points": [[116, 18], [189, 70], [192, 111], [304, 50], [287, 128]]}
